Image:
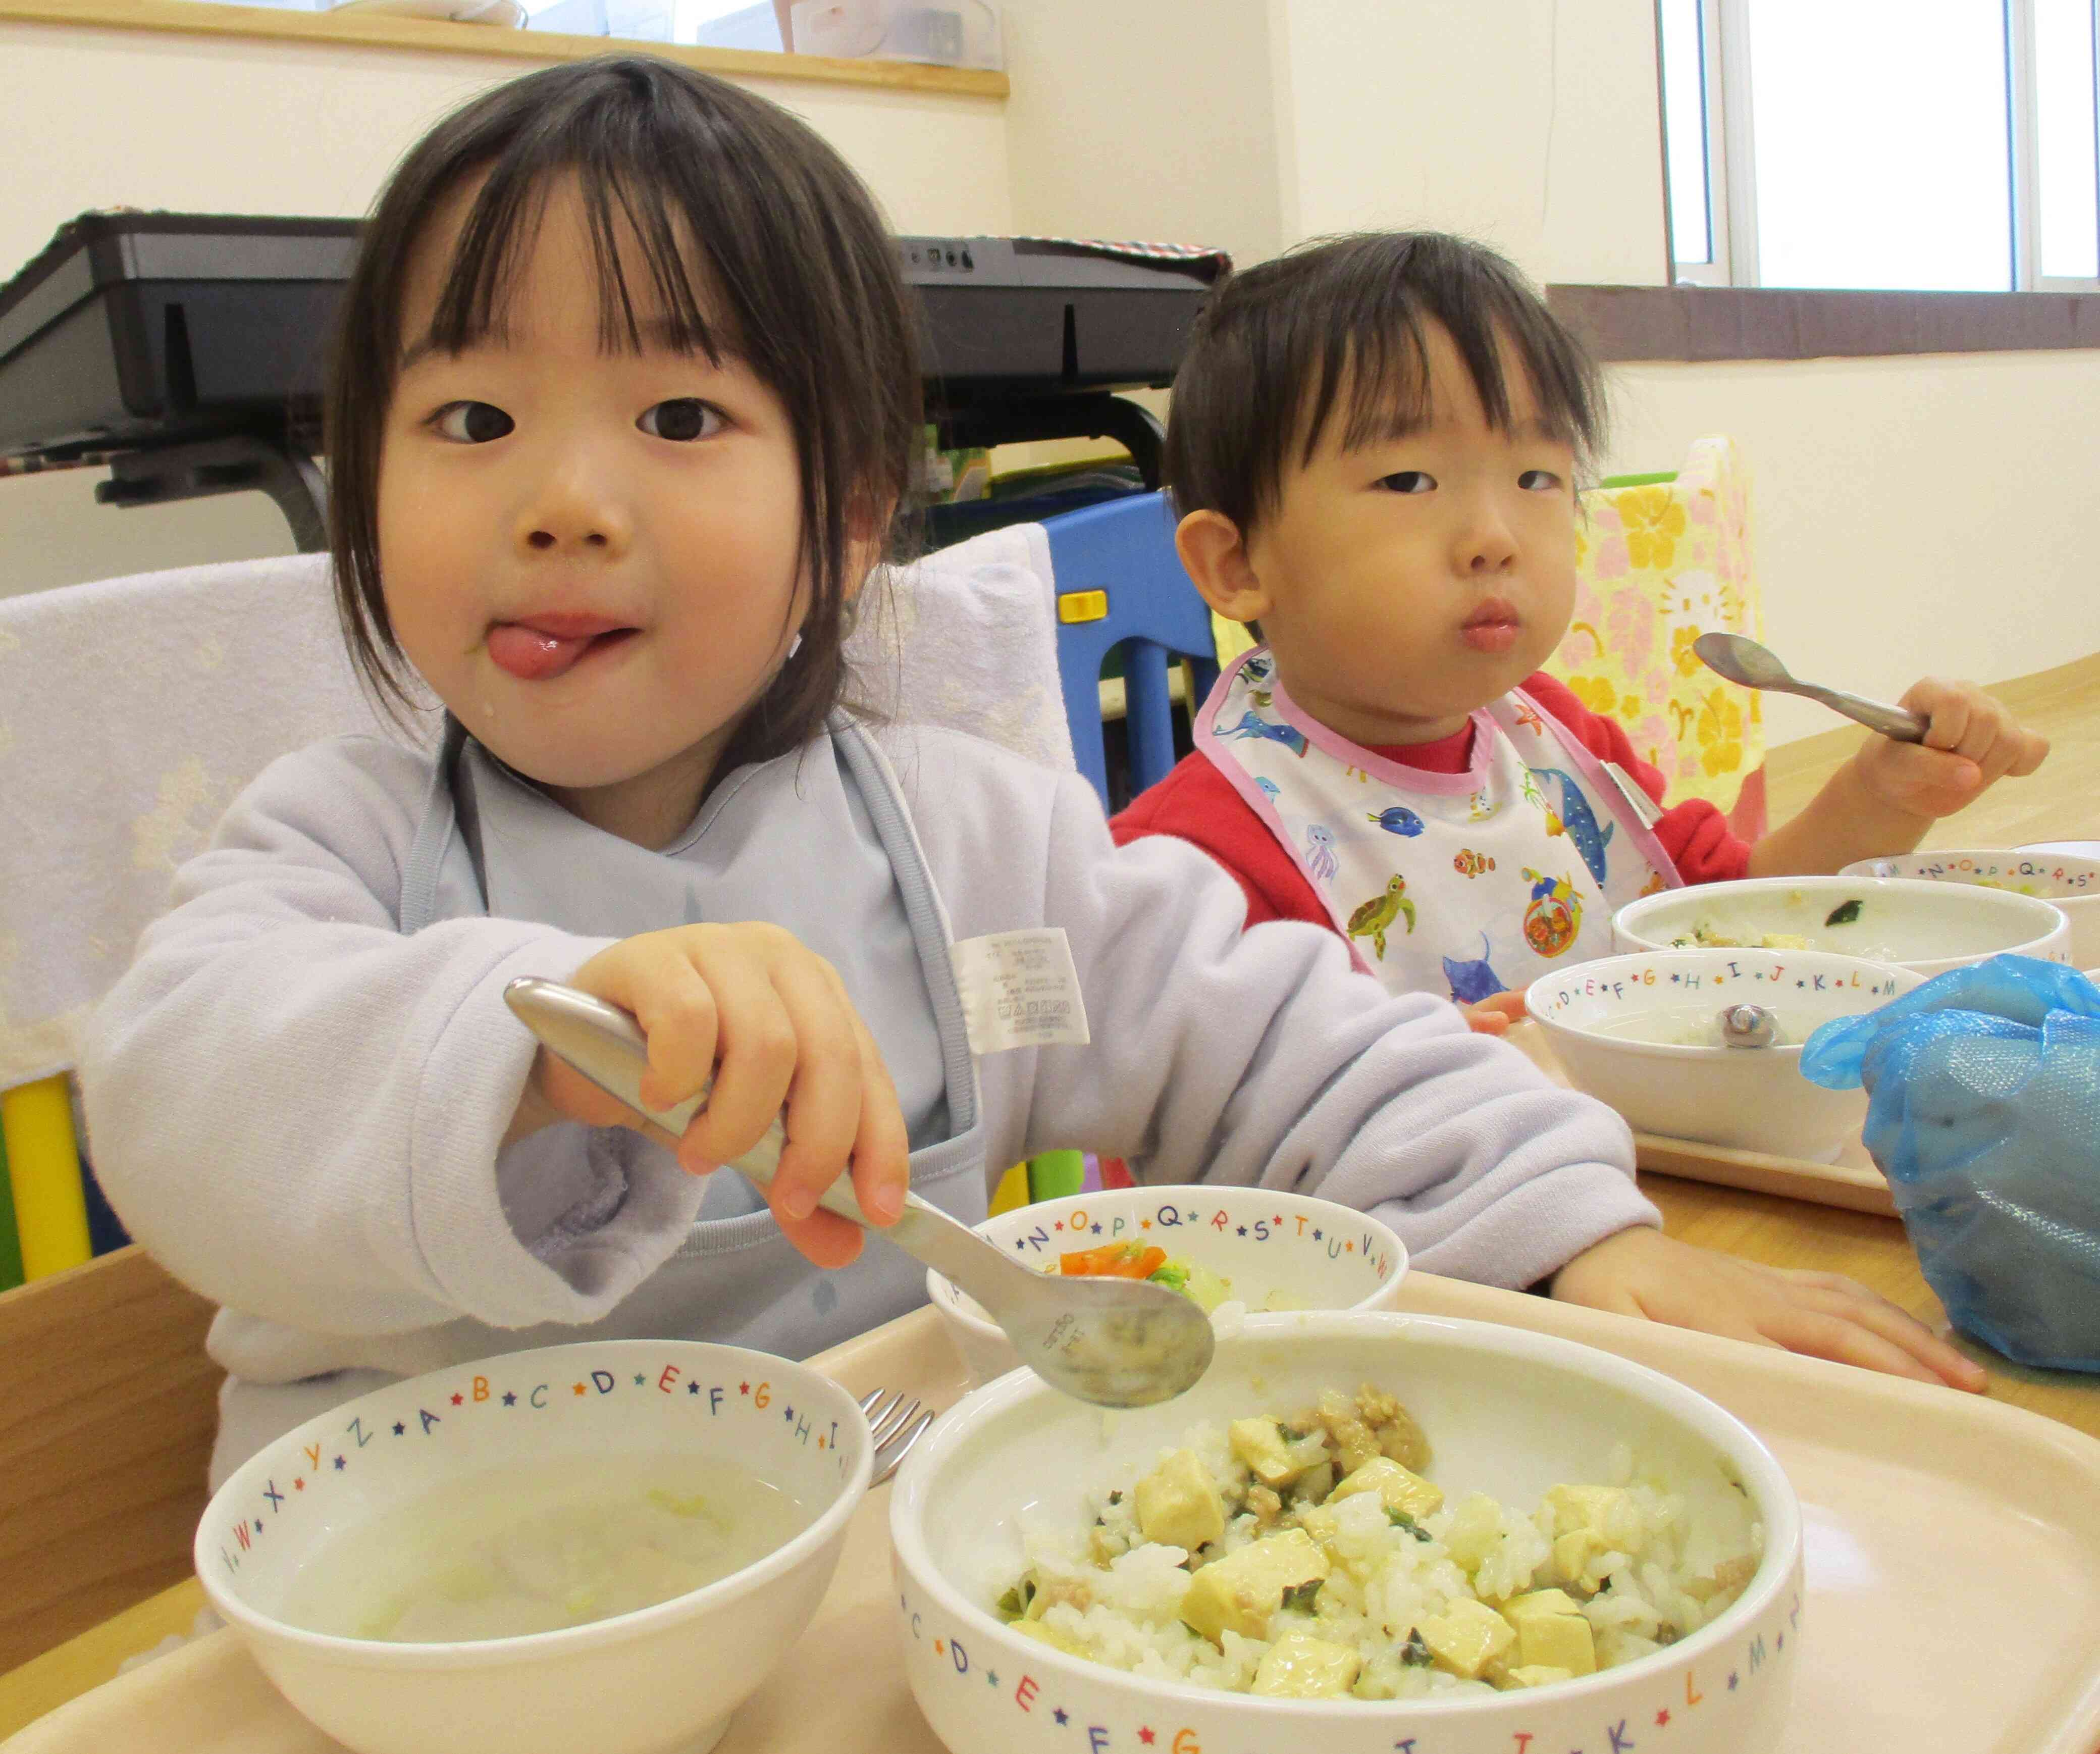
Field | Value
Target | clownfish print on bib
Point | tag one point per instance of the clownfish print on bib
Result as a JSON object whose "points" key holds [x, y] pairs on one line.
{"points": [[1469, 884]]}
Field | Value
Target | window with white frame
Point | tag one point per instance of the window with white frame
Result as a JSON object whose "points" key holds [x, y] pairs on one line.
{"points": [[1934, 144]]}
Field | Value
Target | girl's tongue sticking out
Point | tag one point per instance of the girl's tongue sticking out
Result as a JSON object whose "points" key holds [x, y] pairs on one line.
{"points": [[548, 646]]}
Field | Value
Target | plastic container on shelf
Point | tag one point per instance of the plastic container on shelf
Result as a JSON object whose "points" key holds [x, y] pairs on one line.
{"points": [[945, 33]]}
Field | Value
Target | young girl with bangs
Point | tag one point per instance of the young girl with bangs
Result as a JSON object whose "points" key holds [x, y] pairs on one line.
{"points": [[624, 404]]}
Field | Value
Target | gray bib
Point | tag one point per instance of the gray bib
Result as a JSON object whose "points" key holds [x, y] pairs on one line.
{"points": [[818, 842]]}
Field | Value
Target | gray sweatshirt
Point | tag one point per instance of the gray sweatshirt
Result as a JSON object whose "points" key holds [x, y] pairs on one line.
{"points": [[297, 1095]]}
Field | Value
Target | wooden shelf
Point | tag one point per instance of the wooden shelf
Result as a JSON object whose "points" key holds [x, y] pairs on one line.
{"points": [[207, 18]]}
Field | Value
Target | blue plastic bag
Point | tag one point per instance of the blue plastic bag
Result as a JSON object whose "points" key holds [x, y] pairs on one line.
{"points": [[1983, 1113]]}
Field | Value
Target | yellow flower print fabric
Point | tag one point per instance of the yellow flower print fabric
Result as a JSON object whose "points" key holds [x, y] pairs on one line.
{"points": [[1658, 565]]}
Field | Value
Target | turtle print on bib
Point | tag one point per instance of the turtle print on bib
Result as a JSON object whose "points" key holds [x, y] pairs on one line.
{"points": [[1466, 884]]}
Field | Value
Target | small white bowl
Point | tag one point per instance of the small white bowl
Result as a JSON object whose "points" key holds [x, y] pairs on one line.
{"points": [[662, 1678], [1507, 1412], [2025, 874], [1746, 1098], [1926, 927], [1317, 1254]]}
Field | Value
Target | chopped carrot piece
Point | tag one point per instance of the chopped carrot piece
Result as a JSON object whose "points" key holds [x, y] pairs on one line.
{"points": [[1114, 1261]]}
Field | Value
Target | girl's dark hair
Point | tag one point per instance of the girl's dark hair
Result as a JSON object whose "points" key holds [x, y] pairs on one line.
{"points": [[1276, 348], [796, 275]]}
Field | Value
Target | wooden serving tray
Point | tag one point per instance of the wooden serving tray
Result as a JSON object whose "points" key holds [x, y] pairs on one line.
{"points": [[1953, 1562], [1852, 1181]]}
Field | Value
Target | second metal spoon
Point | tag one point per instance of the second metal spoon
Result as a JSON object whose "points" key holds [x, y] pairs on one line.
{"points": [[1114, 1342], [1745, 662]]}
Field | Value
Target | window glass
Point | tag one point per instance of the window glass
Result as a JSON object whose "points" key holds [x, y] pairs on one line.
{"points": [[1881, 144], [1684, 121], [2069, 180]]}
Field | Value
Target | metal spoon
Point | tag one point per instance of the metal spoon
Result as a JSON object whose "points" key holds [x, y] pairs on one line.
{"points": [[1746, 662], [1114, 1342], [1748, 1026]]}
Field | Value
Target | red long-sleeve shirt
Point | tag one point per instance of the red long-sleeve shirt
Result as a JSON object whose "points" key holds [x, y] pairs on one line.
{"points": [[1197, 803]]}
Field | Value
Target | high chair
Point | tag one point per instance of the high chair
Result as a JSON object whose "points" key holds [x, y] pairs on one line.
{"points": [[132, 710], [1120, 583]]}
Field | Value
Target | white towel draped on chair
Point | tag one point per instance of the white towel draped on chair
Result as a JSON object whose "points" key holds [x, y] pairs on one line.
{"points": [[133, 711]]}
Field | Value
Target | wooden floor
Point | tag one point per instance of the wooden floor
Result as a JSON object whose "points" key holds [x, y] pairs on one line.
{"points": [[2060, 802]]}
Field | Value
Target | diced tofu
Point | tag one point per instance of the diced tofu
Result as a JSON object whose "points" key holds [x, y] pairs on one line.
{"points": [[1552, 1631], [1177, 1505], [1048, 1635], [1601, 1510], [1467, 1637], [1240, 1592], [1536, 1675], [1572, 1553], [1401, 1489], [1298, 1666], [1258, 1443]]}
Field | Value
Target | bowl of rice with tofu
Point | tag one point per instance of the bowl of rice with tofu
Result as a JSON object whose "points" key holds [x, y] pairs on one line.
{"points": [[1357, 1529]]}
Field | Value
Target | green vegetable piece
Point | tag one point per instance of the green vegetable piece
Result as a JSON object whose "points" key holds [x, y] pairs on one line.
{"points": [[1416, 1654], [1011, 1604], [1844, 913], [1174, 1275], [1115, 1498], [1301, 1596], [1400, 1519]]}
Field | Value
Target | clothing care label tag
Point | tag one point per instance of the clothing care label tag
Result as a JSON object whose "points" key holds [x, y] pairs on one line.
{"points": [[1020, 990]]}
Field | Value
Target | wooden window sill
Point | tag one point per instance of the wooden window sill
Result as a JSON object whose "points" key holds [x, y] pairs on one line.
{"points": [[1625, 324], [380, 30]]}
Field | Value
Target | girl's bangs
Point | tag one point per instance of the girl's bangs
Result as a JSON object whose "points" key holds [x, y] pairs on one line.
{"points": [[632, 223]]}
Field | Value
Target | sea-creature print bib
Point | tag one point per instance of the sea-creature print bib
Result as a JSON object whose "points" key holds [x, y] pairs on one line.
{"points": [[1469, 884]]}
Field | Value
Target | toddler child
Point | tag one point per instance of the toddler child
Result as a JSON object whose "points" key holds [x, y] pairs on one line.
{"points": [[623, 401], [1373, 445]]}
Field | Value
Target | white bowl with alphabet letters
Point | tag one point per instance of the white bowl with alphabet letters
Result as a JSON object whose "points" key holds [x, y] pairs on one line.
{"points": [[606, 1545], [1015, 1474], [1643, 1033], [1275, 1251]]}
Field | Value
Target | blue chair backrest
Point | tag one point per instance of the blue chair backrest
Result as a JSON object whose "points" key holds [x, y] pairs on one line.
{"points": [[1124, 550]]}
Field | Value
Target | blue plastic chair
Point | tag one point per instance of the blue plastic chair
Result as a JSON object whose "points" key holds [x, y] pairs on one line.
{"points": [[1120, 583]]}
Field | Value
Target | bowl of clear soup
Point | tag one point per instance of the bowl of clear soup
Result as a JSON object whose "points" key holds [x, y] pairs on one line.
{"points": [[605, 1545]]}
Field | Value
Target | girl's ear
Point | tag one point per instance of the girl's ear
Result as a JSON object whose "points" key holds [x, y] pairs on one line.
{"points": [[1209, 547]]}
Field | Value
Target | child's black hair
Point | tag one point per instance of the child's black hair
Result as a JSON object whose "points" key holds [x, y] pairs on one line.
{"points": [[759, 242], [1275, 350]]}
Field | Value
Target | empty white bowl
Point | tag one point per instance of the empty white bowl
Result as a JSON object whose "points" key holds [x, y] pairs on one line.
{"points": [[1313, 1253], [1507, 1412], [1641, 1032], [1926, 927], [662, 1679]]}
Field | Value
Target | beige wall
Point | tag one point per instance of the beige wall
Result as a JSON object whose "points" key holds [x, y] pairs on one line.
{"points": [[1911, 517], [209, 125], [1529, 124], [1141, 119]]}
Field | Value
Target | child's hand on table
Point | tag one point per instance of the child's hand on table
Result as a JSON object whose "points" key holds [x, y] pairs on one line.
{"points": [[777, 1017], [1642, 1272], [1493, 1015]]}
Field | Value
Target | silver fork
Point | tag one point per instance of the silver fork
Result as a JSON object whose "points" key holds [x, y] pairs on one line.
{"points": [[897, 1427]]}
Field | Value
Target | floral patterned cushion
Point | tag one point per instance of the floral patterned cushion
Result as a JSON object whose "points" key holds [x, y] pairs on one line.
{"points": [[1659, 562]]}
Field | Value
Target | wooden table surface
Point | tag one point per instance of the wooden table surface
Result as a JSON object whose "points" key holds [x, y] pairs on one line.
{"points": [[1792, 1233], [1760, 1227]]}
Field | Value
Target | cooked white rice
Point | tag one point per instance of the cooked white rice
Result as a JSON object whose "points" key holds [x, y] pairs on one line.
{"points": [[1104, 1593]]}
